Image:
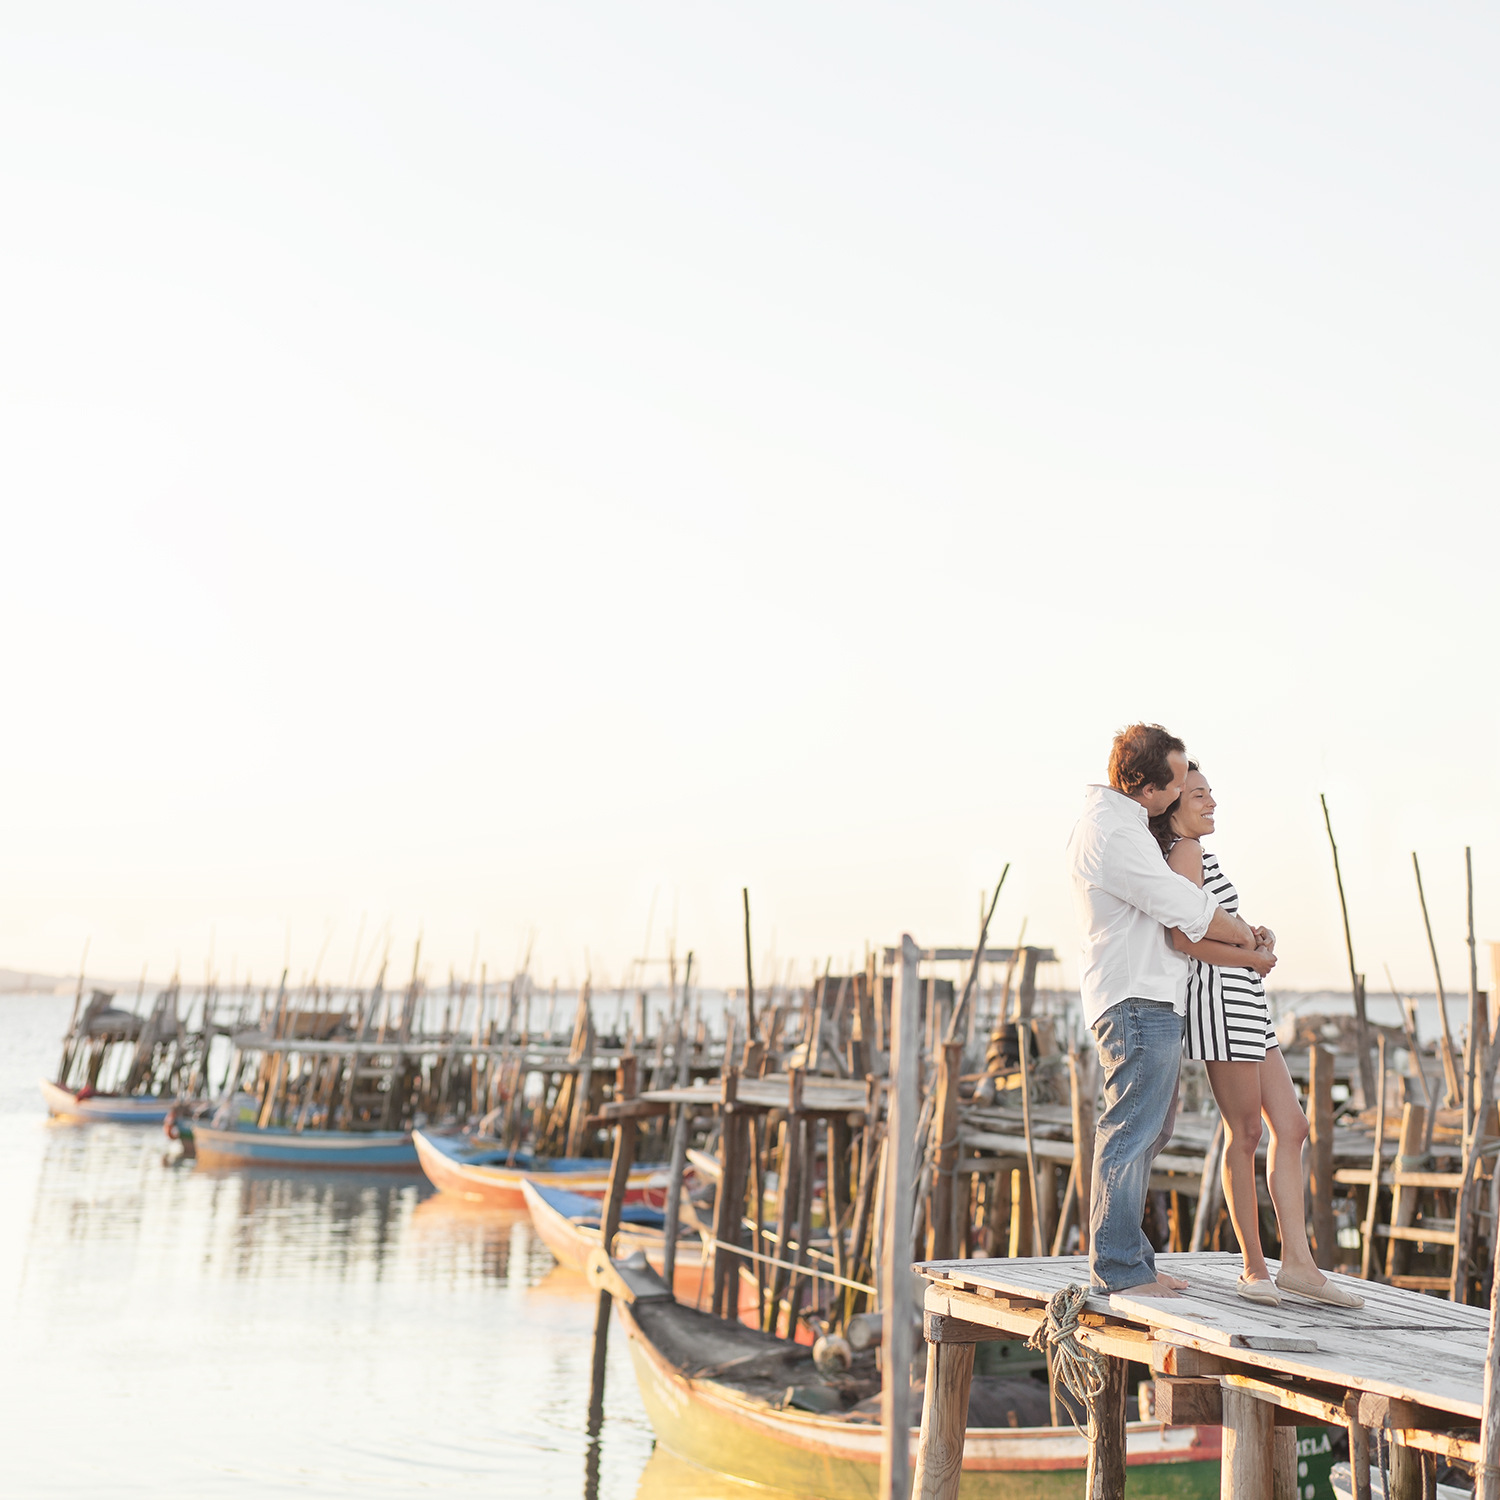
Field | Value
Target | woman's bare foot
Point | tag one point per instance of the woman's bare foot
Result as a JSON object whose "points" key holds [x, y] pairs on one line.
{"points": [[1176, 1283]]}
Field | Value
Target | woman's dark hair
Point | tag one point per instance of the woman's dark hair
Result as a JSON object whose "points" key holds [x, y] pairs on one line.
{"points": [[1161, 824], [1138, 757]]}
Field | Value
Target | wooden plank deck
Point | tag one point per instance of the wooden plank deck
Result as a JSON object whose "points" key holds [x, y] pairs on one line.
{"points": [[1406, 1362], [1401, 1344]]}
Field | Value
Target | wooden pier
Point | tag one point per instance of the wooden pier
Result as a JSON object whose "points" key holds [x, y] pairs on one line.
{"points": [[1410, 1366]]}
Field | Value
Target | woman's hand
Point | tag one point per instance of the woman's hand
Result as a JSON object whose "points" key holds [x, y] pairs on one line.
{"points": [[1263, 960], [1265, 938]]}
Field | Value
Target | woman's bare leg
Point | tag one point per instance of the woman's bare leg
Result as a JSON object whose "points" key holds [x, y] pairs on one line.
{"points": [[1236, 1087], [1289, 1131]]}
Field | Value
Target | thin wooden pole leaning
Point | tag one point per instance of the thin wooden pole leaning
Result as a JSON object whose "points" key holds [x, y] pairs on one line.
{"points": [[749, 975], [1450, 1057], [896, 1292], [1356, 980], [1478, 1023], [955, 1021]]}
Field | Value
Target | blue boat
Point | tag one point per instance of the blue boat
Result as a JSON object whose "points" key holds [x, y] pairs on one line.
{"points": [[347, 1150]]}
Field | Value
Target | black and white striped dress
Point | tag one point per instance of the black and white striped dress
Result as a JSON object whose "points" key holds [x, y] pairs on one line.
{"points": [[1228, 1019]]}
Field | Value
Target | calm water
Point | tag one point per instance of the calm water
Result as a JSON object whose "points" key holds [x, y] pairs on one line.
{"points": [[169, 1332]]}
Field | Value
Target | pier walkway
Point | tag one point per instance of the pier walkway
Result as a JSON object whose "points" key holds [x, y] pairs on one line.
{"points": [[1410, 1366]]}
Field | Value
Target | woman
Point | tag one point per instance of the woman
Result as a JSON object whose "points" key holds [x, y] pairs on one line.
{"points": [[1229, 1028]]}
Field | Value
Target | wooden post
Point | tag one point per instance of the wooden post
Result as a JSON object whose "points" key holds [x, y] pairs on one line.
{"points": [[1325, 1245], [1414, 1119], [1484, 1051], [1284, 1484], [896, 1291], [1359, 1448], [1487, 1471], [1406, 1472], [1372, 1202], [1023, 1035], [727, 1204], [749, 973], [1247, 1467], [1106, 1470], [1083, 1141], [940, 1240], [614, 1202], [945, 1418]]}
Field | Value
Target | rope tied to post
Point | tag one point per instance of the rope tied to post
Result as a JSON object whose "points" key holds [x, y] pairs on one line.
{"points": [[1077, 1373]]}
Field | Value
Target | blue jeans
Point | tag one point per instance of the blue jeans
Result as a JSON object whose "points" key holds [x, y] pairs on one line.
{"points": [[1140, 1047]]}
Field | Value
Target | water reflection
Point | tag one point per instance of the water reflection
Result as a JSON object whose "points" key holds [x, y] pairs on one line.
{"points": [[247, 1332], [667, 1477]]}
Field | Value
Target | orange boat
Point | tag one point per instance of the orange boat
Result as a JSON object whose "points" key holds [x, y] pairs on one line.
{"points": [[490, 1174]]}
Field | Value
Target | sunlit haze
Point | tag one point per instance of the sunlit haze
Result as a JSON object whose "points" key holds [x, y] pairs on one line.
{"points": [[479, 470]]}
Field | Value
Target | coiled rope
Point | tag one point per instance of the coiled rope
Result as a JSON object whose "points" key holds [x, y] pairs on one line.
{"points": [[1077, 1373]]}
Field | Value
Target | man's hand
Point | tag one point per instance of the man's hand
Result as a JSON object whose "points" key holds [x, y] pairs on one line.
{"points": [[1224, 928], [1265, 938]]}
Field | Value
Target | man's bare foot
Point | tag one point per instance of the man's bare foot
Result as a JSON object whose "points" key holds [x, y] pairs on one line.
{"points": [[1146, 1289], [1175, 1282]]}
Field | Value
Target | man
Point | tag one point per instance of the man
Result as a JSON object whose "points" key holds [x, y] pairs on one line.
{"points": [[1134, 989]]}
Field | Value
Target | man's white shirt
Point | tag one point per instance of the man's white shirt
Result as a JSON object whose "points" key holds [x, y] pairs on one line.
{"points": [[1127, 898]]}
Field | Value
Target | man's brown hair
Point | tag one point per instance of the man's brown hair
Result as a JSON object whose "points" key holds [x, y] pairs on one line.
{"points": [[1138, 757]]}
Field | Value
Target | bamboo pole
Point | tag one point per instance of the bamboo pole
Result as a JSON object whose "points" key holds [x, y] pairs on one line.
{"points": [[1478, 1024], [1356, 980], [749, 975]]}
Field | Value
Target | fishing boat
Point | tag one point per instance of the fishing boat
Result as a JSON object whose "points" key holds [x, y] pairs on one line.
{"points": [[341, 1150], [567, 1224], [488, 1173], [120, 1109], [736, 1401]]}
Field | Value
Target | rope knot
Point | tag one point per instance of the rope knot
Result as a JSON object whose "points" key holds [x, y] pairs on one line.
{"points": [[1077, 1373]]}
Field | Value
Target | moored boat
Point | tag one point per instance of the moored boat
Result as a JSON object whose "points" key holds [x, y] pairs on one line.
{"points": [[567, 1224], [345, 1150], [735, 1401], [493, 1175], [119, 1109]]}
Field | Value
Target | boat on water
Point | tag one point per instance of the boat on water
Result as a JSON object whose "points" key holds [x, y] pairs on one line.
{"points": [[743, 1403], [485, 1172], [567, 1223], [274, 1146], [119, 1109]]}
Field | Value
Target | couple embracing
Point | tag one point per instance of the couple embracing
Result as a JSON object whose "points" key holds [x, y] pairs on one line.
{"points": [[1170, 966]]}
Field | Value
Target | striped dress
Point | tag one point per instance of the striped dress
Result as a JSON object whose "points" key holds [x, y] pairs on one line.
{"points": [[1228, 1019]]}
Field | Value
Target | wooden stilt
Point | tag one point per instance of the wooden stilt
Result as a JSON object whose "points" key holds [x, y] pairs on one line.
{"points": [[1284, 1483], [1487, 1471], [945, 1418], [1359, 1448], [1248, 1463], [940, 1241], [1106, 1470]]}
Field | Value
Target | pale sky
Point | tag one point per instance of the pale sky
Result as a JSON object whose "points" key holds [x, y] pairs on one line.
{"points": [[481, 465]]}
